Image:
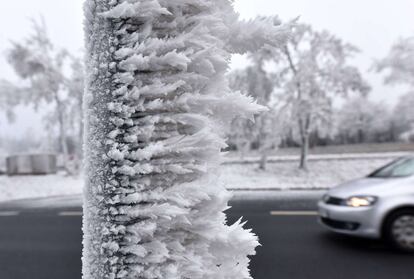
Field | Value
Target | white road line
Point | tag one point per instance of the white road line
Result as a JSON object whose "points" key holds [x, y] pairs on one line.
{"points": [[8, 213], [70, 213], [293, 213]]}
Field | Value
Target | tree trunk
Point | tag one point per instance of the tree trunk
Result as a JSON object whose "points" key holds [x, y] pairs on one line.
{"points": [[244, 148], [263, 161], [361, 136], [62, 134], [304, 150], [303, 125]]}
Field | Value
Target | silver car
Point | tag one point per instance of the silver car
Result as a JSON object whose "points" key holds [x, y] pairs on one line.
{"points": [[380, 205]]}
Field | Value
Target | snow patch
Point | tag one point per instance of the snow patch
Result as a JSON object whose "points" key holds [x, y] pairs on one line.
{"points": [[22, 187]]}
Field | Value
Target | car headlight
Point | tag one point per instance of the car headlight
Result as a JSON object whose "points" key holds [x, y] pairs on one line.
{"points": [[361, 201]]}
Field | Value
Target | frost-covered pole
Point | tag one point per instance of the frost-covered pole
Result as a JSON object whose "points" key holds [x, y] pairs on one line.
{"points": [[156, 105]]}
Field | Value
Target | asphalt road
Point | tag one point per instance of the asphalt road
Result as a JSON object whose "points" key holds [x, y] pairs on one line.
{"points": [[39, 243]]}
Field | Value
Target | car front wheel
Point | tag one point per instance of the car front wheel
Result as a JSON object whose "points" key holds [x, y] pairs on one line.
{"points": [[399, 229]]}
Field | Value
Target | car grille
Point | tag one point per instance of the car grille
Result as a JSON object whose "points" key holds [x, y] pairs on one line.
{"points": [[335, 201]]}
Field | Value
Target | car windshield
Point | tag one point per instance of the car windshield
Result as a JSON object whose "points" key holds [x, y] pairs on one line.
{"points": [[400, 168]]}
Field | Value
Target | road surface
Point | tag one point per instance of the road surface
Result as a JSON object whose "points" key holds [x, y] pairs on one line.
{"points": [[45, 243]]}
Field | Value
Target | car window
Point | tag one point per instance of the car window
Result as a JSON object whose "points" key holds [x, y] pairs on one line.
{"points": [[399, 168]]}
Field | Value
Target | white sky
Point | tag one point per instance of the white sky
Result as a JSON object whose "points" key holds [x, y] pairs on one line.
{"points": [[372, 25]]}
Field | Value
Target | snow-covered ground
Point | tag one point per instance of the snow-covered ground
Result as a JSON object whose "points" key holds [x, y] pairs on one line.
{"points": [[21, 187], [232, 159], [280, 175], [285, 174]]}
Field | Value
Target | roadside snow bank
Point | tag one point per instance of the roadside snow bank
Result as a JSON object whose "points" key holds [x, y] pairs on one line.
{"points": [[231, 159], [21, 187], [280, 175], [284, 175]]}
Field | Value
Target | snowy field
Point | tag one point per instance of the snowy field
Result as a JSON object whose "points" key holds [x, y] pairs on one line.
{"points": [[284, 175], [21, 187], [364, 148], [280, 175]]}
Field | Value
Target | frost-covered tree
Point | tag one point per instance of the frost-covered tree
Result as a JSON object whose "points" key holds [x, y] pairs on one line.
{"points": [[75, 83], [157, 104], [47, 80], [9, 98], [314, 70], [258, 83], [399, 63], [362, 120], [241, 134], [404, 117], [399, 68]]}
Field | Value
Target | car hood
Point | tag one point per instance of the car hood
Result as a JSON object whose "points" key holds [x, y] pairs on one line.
{"points": [[371, 186]]}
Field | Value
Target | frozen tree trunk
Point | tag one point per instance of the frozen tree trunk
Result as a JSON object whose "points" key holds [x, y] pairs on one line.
{"points": [[304, 148], [62, 134], [156, 104], [263, 160], [303, 127], [264, 143], [244, 149]]}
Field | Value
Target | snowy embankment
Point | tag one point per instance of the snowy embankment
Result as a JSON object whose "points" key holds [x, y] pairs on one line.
{"points": [[316, 157], [22, 187], [282, 174], [325, 171]]}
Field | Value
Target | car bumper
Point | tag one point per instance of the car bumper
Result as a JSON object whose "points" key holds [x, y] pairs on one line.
{"points": [[349, 220]]}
